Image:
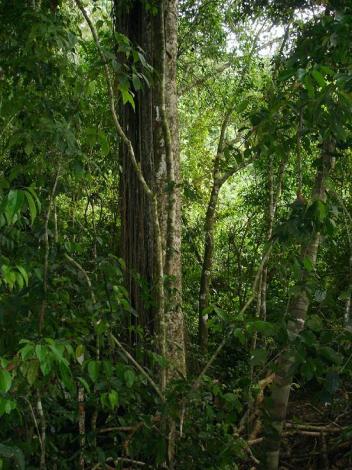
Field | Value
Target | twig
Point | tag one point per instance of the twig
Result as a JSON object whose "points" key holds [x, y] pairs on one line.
{"points": [[47, 249], [196, 383], [138, 366], [85, 274], [34, 419], [43, 431], [116, 429], [126, 460]]}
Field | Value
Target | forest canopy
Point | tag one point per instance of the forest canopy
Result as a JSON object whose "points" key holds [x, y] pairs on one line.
{"points": [[175, 234]]}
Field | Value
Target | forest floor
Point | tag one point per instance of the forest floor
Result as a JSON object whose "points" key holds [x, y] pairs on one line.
{"points": [[317, 437]]}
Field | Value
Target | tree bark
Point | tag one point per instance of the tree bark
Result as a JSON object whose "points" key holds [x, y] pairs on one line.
{"points": [[153, 260], [297, 311]]}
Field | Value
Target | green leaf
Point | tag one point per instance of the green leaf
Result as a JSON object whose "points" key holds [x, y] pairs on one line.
{"points": [[28, 148], [308, 264], [41, 352], [321, 210], [239, 334], [58, 353], [264, 327], [31, 206], [330, 355], [84, 383], [309, 86], [129, 377], [32, 372], [31, 191], [27, 351], [66, 377], [80, 354], [319, 78], [126, 96], [93, 370], [113, 399], [314, 323], [46, 365], [23, 273], [13, 204], [5, 380], [104, 143]]}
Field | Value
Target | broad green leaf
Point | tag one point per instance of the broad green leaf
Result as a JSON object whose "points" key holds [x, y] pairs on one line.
{"points": [[113, 399], [126, 96], [41, 352], [264, 327], [239, 334], [31, 190], [46, 365], [308, 265], [84, 383], [319, 78], [32, 372], [14, 204], [309, 86], [314, 323], [27, 351], [93, 370], [331, 355], [129, 377], [66, 377], [5, 380], [23, 273], [58, 351], [80, 353], [31, 206]]}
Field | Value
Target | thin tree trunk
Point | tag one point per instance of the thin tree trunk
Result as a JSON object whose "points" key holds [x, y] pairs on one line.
{"points": [[209, 224], [297, 312], [206, 267], [273, 202]]}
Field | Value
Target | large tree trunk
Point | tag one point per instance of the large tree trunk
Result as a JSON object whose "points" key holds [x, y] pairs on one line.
{"points": [[153, 131], [297, 312]]}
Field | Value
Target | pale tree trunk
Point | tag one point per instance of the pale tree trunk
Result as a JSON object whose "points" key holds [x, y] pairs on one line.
{"points": [[174, 315], [297, 311]]}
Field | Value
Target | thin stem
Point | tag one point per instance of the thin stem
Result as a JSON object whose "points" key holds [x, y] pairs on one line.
{"points": [[138, 366], [47, 251]]}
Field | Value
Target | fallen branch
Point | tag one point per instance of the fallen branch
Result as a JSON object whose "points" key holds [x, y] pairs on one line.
{"points": [[314, 427], [126, 460]]}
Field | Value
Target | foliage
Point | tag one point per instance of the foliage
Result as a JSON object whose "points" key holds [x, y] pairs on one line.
{"points": [[60, 227]]}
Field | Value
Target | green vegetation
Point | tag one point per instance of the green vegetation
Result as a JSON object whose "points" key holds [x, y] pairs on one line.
{"points": [[175, 234]]}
